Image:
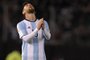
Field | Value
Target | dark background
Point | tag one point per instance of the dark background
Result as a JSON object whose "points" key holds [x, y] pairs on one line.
{"points": [[69, 22]]}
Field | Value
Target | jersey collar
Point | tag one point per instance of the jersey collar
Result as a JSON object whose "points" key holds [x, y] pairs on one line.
{"points": [[30, 20]]}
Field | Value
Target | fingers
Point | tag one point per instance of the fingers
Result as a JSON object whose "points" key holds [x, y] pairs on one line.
{"points": [[42, 19], [40, 23]]}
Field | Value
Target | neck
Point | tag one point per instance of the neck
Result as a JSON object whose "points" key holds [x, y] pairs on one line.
{"points": [[30, 17]]}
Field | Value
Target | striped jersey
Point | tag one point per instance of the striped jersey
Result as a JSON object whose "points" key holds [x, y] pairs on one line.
{"points": [[33, 39]]}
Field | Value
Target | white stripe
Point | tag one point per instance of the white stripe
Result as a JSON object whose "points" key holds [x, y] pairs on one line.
{"points": [[24, 52], [41, 49], [30, 52]]}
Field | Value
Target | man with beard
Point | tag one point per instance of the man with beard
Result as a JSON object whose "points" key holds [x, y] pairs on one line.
{"points": [[33, 33]]}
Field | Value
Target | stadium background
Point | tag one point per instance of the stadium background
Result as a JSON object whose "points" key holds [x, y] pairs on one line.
{"points": [[69, 22]]}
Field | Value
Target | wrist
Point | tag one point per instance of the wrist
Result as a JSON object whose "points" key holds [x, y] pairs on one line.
{"points": [[36, 29]]}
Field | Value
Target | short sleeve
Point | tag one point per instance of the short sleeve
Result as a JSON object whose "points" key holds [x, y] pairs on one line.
{"points": [[21, 28]]}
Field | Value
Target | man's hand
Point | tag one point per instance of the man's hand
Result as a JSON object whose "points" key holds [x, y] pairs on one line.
{"points": [[40, 23]]}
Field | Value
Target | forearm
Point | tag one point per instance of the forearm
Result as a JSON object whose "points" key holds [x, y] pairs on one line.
{"points": [[30, 36]]}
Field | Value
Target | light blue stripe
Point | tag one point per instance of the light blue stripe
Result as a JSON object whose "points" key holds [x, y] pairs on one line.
{"points": [[35, 43], [44, 52]]}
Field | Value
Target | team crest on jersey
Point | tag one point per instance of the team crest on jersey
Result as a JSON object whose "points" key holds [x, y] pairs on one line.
{"points": [[28, 27]]}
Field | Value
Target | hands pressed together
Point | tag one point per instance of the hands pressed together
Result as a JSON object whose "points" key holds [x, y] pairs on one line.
{"points": [[40, 24]]}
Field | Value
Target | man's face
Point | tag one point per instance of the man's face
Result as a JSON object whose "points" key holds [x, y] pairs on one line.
{"points": [[28, 8]]}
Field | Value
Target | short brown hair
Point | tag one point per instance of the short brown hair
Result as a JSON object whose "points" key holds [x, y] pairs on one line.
{"points": [[25, 3]]}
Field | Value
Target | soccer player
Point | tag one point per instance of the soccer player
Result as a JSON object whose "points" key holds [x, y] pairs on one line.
{"points": [[33, 33]]}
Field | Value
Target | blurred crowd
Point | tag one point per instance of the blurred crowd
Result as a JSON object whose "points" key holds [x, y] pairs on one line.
{"points": [[69, 21]]}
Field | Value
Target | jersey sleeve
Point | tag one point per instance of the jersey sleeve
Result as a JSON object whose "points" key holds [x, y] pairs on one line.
{"points": [[21, 28], [46, 31]]}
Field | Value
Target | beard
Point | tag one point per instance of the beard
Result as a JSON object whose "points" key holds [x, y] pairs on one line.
{"points": [[31, 10]]}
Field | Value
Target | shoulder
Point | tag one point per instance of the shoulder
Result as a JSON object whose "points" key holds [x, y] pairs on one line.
{"points": [[45, 22], [21, 23]]}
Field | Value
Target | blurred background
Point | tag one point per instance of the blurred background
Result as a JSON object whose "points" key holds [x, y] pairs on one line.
{"points": [[69, 22]]}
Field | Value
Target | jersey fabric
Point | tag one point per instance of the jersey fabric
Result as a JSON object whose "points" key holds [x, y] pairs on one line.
{"points": [[33, 48]]}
